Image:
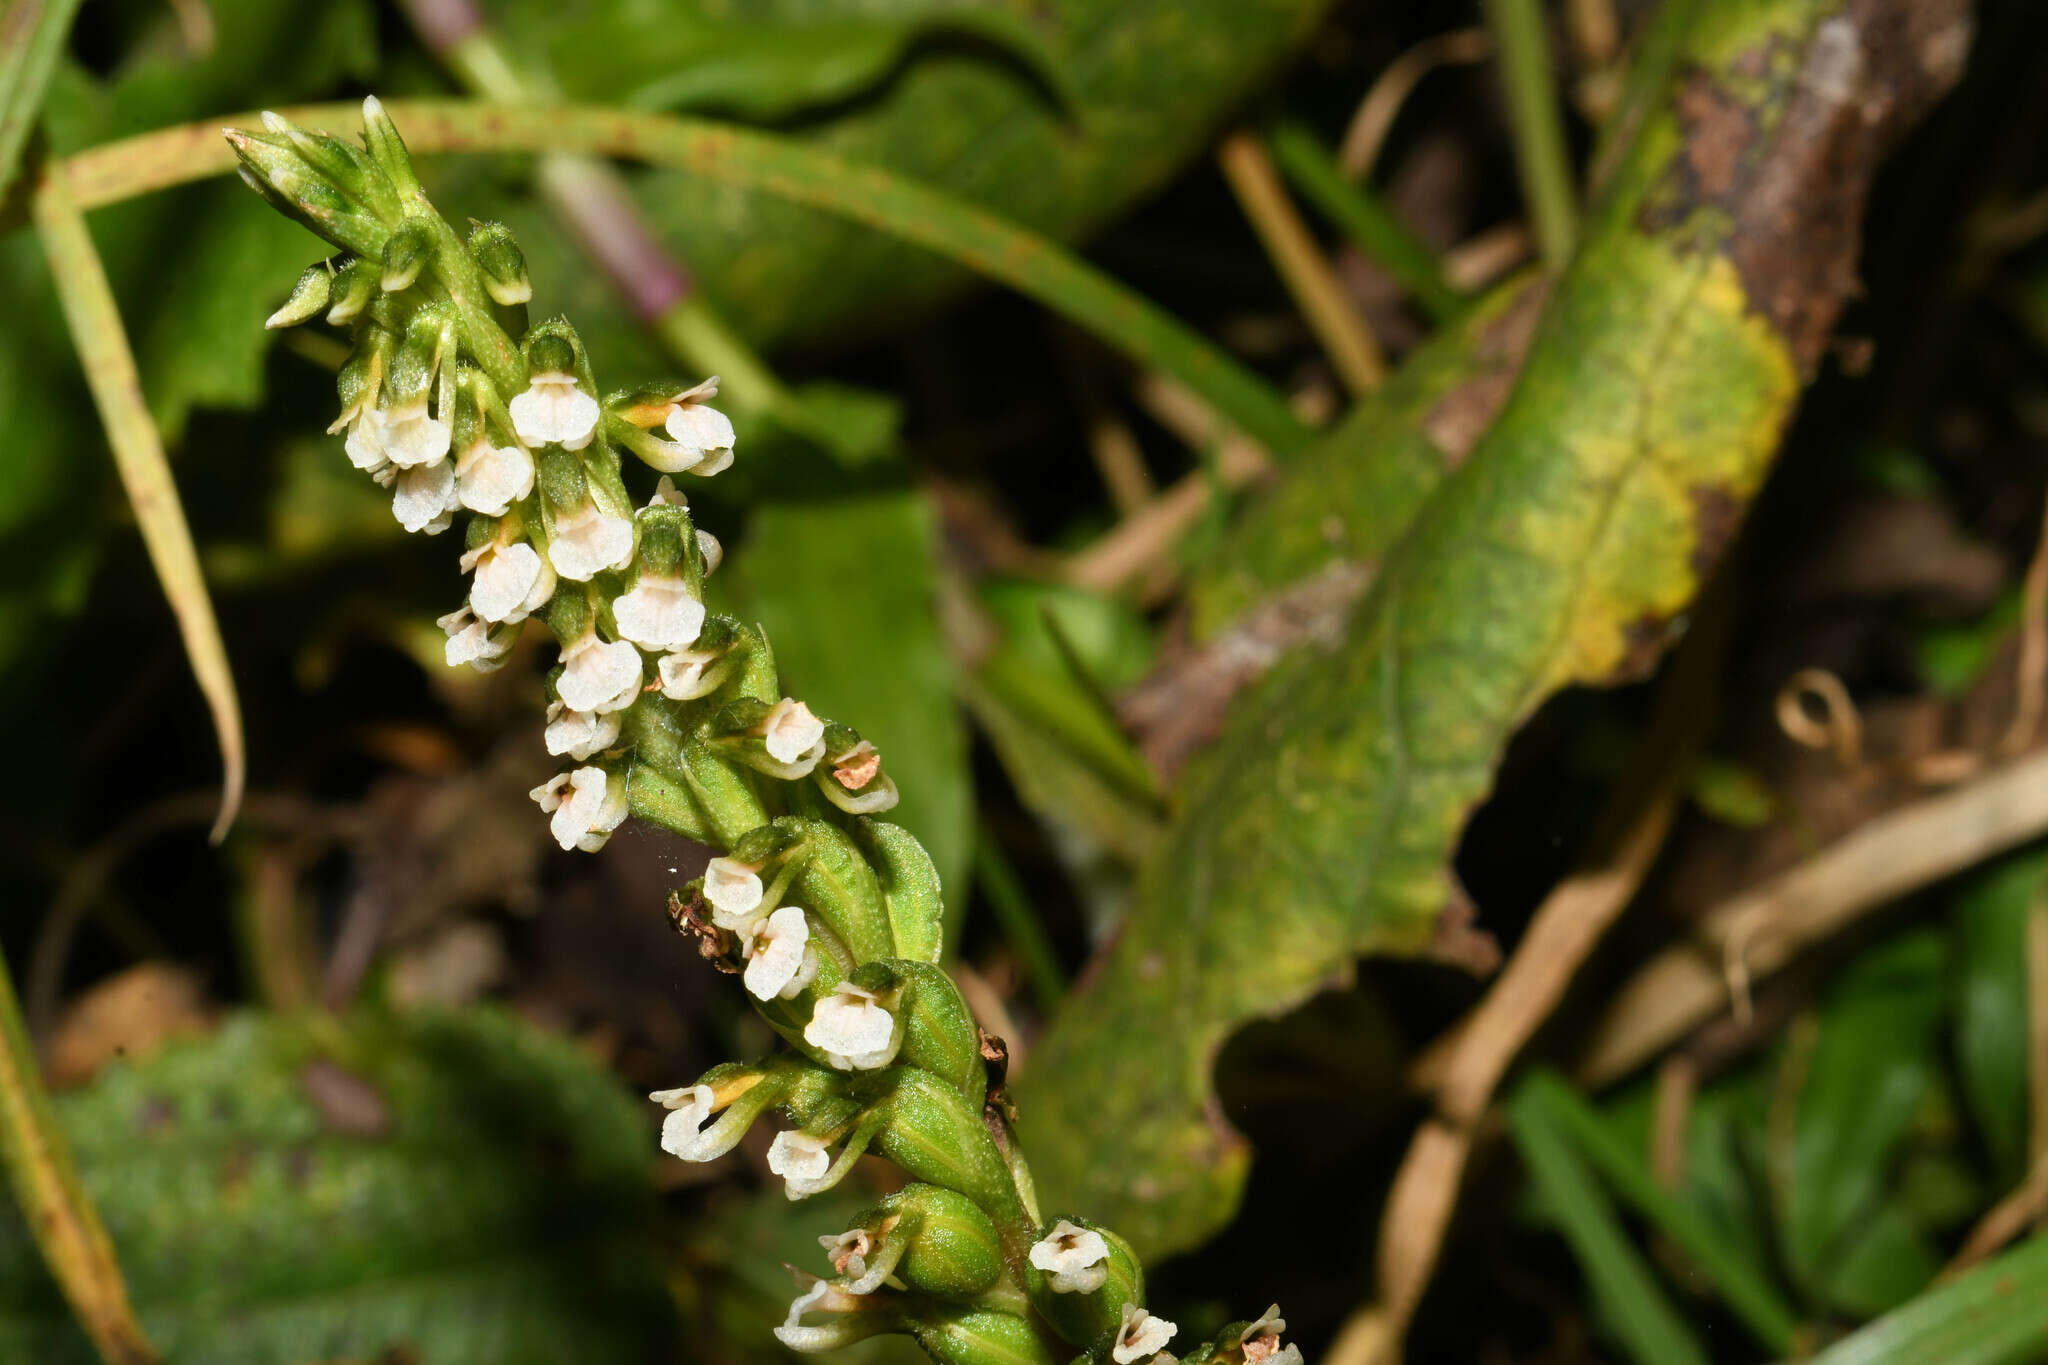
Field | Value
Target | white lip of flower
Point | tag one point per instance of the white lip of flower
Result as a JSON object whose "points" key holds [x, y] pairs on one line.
{"points": [[853, 1030], [703, 437], [659, 613], [780, 958], [667, 495], [1261, 1340], [585, 805], [801, 1160], [512, 581], [792, 732], [734, 890], [1075, 1257], [599, 675], [579, 734], [682, 1132], [408, 436], [489, 479], [848, 1251], [683, 674], [473, 642], [713, 552], [423, 498], [587, 541], [825, 1297], [1141, 1335], [554, 411], [365, 450]]}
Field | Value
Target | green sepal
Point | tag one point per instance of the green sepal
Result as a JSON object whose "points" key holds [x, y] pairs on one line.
{"points": [[836, 884], [349, 170], [910, 889], [1091, 1321], [935, 1136], [982, 1336], [387, 151], [354, 285], [274, 170], [501, 263], [939, 1034]]}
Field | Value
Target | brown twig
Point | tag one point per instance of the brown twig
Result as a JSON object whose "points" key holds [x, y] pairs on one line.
{"points": [[2032, 668], [1670, 1114], [1872, 865], [1375, 115], [1839, 726], [1332, 314]]}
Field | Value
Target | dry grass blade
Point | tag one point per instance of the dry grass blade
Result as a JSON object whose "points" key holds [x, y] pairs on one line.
{"points": [[1374, 118], [66, 1226], [109, 364], [1878, 862]]}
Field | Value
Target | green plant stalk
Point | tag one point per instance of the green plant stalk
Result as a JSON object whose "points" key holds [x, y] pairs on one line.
{"points": [[1523, 45], [1649, 1327], [32, 34], [67, 1227], [1024, 260], [1304, 160], [95, 322], [1749, 1295]]}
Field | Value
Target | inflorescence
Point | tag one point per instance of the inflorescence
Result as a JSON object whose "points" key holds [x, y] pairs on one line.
{"points": [[830, 917]]}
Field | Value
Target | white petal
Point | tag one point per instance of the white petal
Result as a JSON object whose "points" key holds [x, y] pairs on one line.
{"points": [[424, 495], [682, 1130], [579, 734], [799, 1156], [598, 675], [683, 675], [507, 577], [553, 410], [734, 890], [854, 1031], [1068, 1248], [713, 552], [489, 479], [700, 430], [472, 642], [410, 438], [659, 613], [365, 451], [587, 811], [776, 954], [1141, 1335], [587, 542], [791, 731], [665, 494]]}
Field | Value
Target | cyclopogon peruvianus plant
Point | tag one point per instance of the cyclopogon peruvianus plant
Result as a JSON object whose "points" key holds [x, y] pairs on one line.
{"points": [[829, 916]]}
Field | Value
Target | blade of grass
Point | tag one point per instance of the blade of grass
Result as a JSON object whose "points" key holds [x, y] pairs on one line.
{"points": [[1523, 44], [792, 170], [66, 1225], [103, 351], [1018, 918], [1650, 1329], [32, 36], [1995, 1315], [1359, 214], [1752, 1298]]}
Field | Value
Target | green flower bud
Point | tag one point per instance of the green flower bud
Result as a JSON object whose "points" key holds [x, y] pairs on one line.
{"points": [[559, 476], [933, 1134], [1081, 1275], [552, 348], [308, 297], [502, 264], [387, 150], [938, 1029], [275, 170], [354, 285], [407, 250], [910, 888]]}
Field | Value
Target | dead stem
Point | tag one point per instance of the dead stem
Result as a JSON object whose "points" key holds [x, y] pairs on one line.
{"points": [[1375, 115], [2033, 662], [1332, 314]]}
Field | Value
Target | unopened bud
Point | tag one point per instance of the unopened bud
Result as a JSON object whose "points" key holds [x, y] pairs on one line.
{"points": [[933, 1241], [502, 264], [408, 249], [308, 297], [1086, 1308], [355, 284]]}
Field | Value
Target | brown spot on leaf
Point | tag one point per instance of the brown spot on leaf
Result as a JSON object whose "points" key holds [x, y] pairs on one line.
{"points": [[1643, 643], [1782, 153], [346, 1102]]}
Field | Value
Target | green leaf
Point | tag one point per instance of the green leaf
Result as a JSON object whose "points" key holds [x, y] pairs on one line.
{"points": [[1877, 1052], [1149, 79], [846, 591], [1997, 1314], [1562, 551], [1624, 1286], [773, 70], [1991, 1003], [295, 1190]]}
